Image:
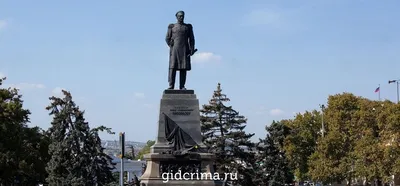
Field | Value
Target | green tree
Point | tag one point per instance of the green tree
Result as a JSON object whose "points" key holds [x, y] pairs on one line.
{"points": [[101, 164], [23, 150], [325, 161], [353, 146], [145, 149], [361, 141], [275, 169], [77, 157], [131, 153], [301, 142], [333, 160], [389, 135], [35, 146], [116, 180], [368, 152], [223, 131]]}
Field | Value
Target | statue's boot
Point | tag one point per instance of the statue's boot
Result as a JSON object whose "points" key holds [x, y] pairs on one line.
{"points": [[182, 79]]}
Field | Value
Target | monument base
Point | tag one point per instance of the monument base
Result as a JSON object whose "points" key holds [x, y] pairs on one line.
{"points": [[191, 169], [181, 106], [179, 157]]}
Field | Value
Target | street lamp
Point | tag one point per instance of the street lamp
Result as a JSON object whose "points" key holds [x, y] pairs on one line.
{"points": [[397, 82], [322, 119]]}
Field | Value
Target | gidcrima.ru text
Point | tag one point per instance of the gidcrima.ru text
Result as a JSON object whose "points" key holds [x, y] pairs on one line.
{"points": [[197, 176]]}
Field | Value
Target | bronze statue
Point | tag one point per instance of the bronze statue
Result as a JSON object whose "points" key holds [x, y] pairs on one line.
{"points": [[180, 39]]}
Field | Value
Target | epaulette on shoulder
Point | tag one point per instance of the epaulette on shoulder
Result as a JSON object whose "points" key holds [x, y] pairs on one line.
{"points": [[171, 25]]}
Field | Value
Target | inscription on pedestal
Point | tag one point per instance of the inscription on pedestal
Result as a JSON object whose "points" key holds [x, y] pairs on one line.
{"points": [[181, 110]]}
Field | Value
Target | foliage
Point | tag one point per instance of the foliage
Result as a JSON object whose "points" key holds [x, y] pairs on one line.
{"points": [[145, 149], [77, 157], [23, 150], [301, 143], [223, 131], [388, 123], [274, 169], [116, 180], [333, 160], [361, 140], [130, 154]]}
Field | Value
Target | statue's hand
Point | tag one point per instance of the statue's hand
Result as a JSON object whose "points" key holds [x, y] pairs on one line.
{"points": [[192, 51]]}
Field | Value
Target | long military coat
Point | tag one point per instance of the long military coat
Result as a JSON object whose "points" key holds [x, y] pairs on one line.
{"points": [[180, 39]]}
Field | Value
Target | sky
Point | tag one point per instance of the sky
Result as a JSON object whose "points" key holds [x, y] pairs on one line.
{"points": [[273, 58]]}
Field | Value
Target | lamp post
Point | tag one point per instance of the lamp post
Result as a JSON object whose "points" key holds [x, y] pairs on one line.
{"points": [[122, 146], [397, 83], [322, 119]]}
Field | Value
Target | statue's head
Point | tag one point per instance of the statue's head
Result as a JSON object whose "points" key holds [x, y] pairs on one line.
{"points": [[180, 16]]}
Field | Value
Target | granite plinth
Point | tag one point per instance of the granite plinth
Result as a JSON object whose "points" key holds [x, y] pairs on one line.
{"points": [[182, 107]]}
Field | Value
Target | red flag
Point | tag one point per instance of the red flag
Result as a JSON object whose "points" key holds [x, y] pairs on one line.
{"points": [[377, 89]]}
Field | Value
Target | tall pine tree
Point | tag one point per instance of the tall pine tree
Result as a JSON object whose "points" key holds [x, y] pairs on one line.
{"points": [[77, 157], [223, 131], [273, 166]]}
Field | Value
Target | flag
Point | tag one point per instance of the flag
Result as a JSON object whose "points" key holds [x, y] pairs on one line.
{"points": [[377, 89]]}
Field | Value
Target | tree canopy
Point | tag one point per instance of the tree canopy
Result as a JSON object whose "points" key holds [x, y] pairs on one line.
{"points": [[361, 141], [273, 165], [145, 149], [77, 157], [23, 150], [223, 130]]}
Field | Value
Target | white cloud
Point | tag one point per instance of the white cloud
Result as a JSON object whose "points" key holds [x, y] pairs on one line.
{"points": [[25, 86], [139, 95], [276, 112], [3, 24], [206, 57]]}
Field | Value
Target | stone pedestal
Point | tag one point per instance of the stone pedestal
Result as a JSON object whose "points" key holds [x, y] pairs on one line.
{"points": [[158, 173], [182, 107]]}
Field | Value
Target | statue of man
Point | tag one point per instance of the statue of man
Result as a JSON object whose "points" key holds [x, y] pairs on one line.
{"points": [[180, 39]]}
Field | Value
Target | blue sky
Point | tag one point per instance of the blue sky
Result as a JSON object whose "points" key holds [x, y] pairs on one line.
{"points": [[273, 58]]}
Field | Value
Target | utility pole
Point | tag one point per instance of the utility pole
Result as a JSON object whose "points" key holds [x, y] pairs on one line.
{"points": [[122, 145], [322, 119], [397, 82]]}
